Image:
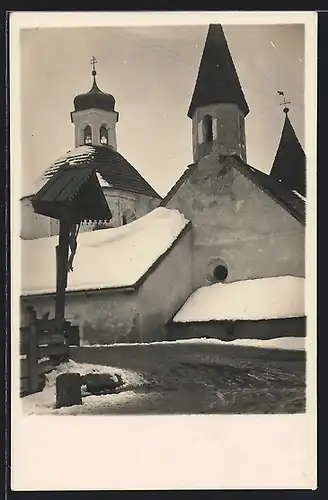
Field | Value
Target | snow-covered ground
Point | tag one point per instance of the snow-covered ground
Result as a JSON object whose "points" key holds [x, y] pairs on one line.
{"points": [[113, 257], [263, 298], [44, 402]]}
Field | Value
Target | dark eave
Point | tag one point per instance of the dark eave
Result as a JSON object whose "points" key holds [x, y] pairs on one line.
{"points": [[74, 192]]}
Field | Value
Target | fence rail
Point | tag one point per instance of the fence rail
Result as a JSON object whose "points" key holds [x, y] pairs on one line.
{"points": [[42, 348]]}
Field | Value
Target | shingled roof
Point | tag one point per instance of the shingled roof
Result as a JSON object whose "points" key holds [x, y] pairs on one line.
{"points": [[74, 190], [217, 80], [289, 166], [112, 168]]}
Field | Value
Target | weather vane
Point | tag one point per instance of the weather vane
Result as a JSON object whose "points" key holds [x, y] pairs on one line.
{"points": [[93, 62], [285, 110]]}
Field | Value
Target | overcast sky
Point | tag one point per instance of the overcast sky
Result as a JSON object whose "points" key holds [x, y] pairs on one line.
{"points": [[151, 72]]}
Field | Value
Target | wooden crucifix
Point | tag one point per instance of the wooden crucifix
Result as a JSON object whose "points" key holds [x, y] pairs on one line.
{"points": [[67, 240], [73, 194]]}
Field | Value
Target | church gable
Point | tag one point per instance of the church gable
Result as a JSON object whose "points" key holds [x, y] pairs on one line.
{"points": [[258, 210], [236, 224], [223, 186]]}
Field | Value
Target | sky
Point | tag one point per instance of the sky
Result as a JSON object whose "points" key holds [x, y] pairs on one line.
{"points": [[151, 71]]}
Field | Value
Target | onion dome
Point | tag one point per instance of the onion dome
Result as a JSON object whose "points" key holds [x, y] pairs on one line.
{"points": [[95, 98]]}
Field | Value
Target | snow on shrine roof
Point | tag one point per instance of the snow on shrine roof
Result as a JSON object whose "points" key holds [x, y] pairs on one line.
{"points": [[255, 299], [112, 168], [107, 258]]}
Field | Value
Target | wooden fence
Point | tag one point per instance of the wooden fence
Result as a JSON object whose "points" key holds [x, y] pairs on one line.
{"points": [[42, 348]]}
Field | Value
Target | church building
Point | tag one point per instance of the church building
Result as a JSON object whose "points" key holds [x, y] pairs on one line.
{"points": [[128, 194], [223, 222]]}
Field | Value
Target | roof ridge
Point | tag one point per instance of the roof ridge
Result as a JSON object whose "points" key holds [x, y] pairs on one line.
{"points": [[184, 176]]}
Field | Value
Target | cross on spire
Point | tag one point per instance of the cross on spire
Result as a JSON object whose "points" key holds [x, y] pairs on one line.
{"points": [[285, 110], [93, 62]]}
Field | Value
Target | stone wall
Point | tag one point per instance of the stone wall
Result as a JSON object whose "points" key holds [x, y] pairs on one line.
{"points": [[114, 316], [103, 317], [166, 289], [236, 223], [35, 225]]}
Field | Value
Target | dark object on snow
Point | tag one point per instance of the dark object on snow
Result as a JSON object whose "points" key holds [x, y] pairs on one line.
{"points": [[101, 383], [68, 390]]}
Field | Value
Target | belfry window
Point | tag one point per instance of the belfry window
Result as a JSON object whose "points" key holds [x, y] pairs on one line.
{"points": [[208, 128], [104, 135], [87, 135]]}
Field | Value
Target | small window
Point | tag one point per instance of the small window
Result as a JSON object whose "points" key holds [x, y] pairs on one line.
{"points": [[87, 135], [208, 128], [220, 272], [104, 135]]}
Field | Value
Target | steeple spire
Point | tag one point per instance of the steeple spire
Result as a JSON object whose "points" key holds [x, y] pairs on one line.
{"points": [[217, 80], [289, 166]]}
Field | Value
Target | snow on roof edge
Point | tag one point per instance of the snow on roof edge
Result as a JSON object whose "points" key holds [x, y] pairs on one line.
{"points": [[279, 297], [124, 233]]}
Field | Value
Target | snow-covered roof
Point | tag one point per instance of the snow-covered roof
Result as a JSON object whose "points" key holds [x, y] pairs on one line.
{"points": [[107, 258], [262, 298], [113, 169]]}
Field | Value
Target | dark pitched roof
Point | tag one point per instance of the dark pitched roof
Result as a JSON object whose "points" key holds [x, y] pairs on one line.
{"points": [[113, 168], [273, 188], [75, 191], [289, 166], [217, 80]]}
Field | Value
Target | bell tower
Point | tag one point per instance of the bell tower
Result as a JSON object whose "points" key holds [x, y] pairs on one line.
{"points": [[218, 107], [94, 116]]}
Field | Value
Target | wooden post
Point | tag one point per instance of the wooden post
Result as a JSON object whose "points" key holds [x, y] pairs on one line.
{"points": [[68, 390], [61, 260]]}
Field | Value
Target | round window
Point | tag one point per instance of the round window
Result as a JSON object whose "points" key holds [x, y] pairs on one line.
{"points": [[220, 272], [217, 270]]}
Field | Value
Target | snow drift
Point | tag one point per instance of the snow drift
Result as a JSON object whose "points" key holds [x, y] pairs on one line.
{"points": [[44, 402], [108, 258], [263, 298]]}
